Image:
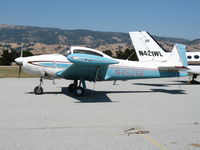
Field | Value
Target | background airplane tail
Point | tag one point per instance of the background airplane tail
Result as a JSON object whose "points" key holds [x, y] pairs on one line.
{"points": [[146, 47]]}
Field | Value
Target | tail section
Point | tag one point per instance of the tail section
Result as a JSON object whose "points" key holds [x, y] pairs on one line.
{"points": [[177, 57], [146, 47]]}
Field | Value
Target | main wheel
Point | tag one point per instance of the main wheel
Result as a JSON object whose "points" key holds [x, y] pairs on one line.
{"points": [[71, 88], [79, 91], [38, 90]]}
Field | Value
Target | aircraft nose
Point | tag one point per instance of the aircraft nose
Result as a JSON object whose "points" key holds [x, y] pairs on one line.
{"points": [[19, 60]]}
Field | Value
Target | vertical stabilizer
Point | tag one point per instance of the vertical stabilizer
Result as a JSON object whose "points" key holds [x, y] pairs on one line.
{"points": [[177, 57], [146, 47]]}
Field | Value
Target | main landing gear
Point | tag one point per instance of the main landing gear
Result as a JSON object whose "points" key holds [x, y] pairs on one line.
{"points": [[38, 90], [193, 81], [77, 89], [74, 87]]}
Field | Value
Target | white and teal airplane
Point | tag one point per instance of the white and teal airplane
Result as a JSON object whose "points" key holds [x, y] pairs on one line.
{"points": [[84, 64], [148, 49]]}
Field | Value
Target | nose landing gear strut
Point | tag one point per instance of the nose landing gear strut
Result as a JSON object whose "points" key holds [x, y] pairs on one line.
{"points": [[38, 90]]}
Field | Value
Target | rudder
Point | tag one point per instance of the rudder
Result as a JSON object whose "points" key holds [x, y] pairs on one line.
{"points": [[178, 56]]}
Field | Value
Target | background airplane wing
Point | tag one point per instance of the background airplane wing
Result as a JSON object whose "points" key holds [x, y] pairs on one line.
{"points": [[86, 67]]}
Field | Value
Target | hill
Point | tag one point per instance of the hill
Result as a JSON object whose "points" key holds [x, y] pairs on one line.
{"points": [[19, 34], [49, 40]]}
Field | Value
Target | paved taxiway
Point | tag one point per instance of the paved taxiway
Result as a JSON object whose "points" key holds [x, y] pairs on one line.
{"points": [[151, 114]]}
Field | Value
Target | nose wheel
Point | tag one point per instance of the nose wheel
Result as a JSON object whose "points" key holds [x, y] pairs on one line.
{"points": [[38, 90]]}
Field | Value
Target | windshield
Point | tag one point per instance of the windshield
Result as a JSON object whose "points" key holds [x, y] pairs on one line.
{"points": [[68, 52]]}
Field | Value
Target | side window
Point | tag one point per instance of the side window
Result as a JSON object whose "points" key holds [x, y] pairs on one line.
{"points": [[196, 56], [189, 57], [87, 52]]}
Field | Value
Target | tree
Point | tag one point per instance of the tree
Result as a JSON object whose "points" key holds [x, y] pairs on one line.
{"points": [[26, 54], [120, 54], [8, 57], [129, 54], [108, 52]]}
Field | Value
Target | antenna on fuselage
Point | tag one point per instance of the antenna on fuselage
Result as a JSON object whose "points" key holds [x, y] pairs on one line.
{"points": [[130, 55]]}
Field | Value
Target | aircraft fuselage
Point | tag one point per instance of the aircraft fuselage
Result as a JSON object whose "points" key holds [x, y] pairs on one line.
{"points": [[49, 65]]}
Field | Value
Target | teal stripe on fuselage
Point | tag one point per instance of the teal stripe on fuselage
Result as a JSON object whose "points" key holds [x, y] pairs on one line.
{"points": [[53, 65], [62, 65], [137, 73], [47, 64]]}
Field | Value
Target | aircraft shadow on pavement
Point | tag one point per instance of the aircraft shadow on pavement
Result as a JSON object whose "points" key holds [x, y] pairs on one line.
{"points": [[101, 96], [150, 91], [89, 96], [163, 84], [149, 84], [169, 91]]}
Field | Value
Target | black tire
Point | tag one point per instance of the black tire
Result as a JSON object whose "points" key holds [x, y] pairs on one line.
{"points": [[38, 90], [71, 88], [79, 91]]}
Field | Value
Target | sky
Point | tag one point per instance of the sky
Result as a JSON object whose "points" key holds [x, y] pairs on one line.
{"points": [[169, 18]]}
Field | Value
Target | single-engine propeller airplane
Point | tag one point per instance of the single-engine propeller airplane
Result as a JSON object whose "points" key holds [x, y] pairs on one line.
{"points": [[148, 49], [85, 64]]}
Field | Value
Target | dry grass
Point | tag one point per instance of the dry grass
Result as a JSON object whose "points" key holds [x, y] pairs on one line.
{"points": [[12, 72]]}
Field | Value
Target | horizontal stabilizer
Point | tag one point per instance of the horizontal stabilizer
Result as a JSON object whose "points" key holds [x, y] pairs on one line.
{"points": [[175, 68]]}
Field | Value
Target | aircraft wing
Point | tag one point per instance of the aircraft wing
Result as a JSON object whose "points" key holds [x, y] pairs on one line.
{"points": [[86, 67]]}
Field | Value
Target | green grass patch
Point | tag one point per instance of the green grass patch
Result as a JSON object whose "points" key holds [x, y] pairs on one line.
{"points": [[12, 72]]}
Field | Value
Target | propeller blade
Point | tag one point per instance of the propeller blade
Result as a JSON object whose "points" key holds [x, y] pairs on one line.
{"points": [[21, 54], [20, 68]]}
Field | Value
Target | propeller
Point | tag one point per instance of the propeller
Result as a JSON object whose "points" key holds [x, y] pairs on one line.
{"points": [[19, 61], [20, 68]]}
